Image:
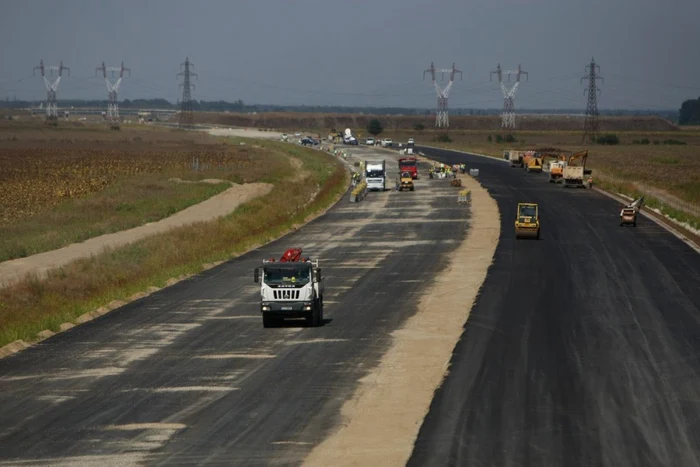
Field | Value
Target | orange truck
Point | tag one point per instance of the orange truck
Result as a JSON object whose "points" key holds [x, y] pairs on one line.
{"points": [[409, 164]]}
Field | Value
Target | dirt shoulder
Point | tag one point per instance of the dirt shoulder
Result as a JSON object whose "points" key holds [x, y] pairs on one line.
{"points": [[382, 420], [216, 206]]}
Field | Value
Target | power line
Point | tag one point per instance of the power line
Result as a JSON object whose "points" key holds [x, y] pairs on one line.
{"points": [[508, 115], [186, 114], [113, 91], [442, 119], [51, 87], [590, 126]]}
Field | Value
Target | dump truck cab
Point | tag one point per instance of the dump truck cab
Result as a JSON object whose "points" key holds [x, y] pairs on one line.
{"points": [[291, 287], [527, 221]]}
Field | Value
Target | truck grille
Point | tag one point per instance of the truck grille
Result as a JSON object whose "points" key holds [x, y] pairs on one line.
{"points": [[286, 294]]}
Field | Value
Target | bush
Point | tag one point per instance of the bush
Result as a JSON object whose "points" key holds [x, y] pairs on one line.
{"points": [[674, 142], [419, 127], [509, 138], [374, 127], [489, 139], [443, 138], [609, 139]]}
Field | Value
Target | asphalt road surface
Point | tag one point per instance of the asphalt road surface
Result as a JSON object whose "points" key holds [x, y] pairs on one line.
{"points": [[584, 346], [189, 375]]}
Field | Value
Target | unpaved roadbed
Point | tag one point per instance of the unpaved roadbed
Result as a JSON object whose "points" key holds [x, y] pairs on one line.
{"points": [[220, 205], [383, 417]]}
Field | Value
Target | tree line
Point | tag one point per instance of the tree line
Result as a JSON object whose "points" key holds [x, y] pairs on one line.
{"points": [[240, 106], [689, 113]]}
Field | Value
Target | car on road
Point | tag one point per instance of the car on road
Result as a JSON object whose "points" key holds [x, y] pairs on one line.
{"points": [[369, 141], [309, 141], [411, 141], [387, 143], [351, 140]]}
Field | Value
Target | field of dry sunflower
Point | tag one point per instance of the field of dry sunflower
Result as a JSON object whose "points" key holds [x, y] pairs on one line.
{"points": [[62, 186]]}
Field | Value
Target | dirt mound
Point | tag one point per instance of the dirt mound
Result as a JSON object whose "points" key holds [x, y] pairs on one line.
{"points": [[326, 121]]}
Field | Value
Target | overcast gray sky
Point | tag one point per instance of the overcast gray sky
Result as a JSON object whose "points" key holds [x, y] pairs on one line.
{"points": [[358, 52]]}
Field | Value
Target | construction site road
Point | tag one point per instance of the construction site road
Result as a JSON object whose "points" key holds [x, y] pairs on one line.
{"points": [[189, 376], [583, 347]]}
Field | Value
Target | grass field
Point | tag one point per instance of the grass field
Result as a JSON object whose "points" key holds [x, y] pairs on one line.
{"points": [[67, 184], [31, 306]]}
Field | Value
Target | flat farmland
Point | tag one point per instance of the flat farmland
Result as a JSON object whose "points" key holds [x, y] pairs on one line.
{"points": [[65, 184]]}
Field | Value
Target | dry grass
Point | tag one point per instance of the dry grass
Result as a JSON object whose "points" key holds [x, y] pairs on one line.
{"points": [[67, 184], [33, 305]]}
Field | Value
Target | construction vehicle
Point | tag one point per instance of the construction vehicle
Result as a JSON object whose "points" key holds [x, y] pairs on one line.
{"points": [[409, 164], [556, 171], [535, 163], [375, 175], [573, 175], [405, 181], [515, 158], [527, 221], [628, 215], [527, 157], [290, 288]]}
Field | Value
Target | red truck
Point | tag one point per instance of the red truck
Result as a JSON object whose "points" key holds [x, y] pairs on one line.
{"points": [[409, 164]]}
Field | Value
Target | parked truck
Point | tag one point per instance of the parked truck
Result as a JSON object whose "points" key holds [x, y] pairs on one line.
{"points": [[290, 288], [409, 164], [375, 175], [515, 158]]}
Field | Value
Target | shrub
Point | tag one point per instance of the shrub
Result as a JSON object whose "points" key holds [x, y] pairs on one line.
{"points": [[608, 139]]}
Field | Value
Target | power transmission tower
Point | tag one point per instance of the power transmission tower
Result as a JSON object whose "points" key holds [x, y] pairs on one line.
{"points": [[590, 126], [51, 87], [508, 115], [442, 119], [113, 91], [186, 115]]}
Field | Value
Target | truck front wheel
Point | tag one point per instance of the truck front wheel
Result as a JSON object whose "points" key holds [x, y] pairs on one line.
{"points": [[269, 321]]}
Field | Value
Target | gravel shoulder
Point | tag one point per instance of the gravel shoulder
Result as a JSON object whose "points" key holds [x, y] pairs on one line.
{"points": [[382, 420]]}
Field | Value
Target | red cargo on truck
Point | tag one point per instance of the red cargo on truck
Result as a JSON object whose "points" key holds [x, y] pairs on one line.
{"points": [[409, 164]]}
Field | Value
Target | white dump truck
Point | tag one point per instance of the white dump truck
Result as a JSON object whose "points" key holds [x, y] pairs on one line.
{"points": [[375, 175], [290, 288]]}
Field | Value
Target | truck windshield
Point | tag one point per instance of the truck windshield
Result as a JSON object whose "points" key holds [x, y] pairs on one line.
{"points": [[528, 211], [375, 174], [407, 163], [288, 276]]}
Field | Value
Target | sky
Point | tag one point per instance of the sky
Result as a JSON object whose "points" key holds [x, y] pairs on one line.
{"points": [[359, 52]]}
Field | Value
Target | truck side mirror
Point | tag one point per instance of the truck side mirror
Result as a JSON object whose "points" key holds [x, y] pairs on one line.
{"points": [[318, 275], [256, 275]]}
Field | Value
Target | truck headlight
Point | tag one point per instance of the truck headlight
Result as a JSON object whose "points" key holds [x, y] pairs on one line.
{"points": [[265, 306], [307, 306]]}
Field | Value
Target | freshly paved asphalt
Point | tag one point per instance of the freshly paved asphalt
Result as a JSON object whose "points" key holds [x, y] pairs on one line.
{"points": [[189, 376], [584, 346]]}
